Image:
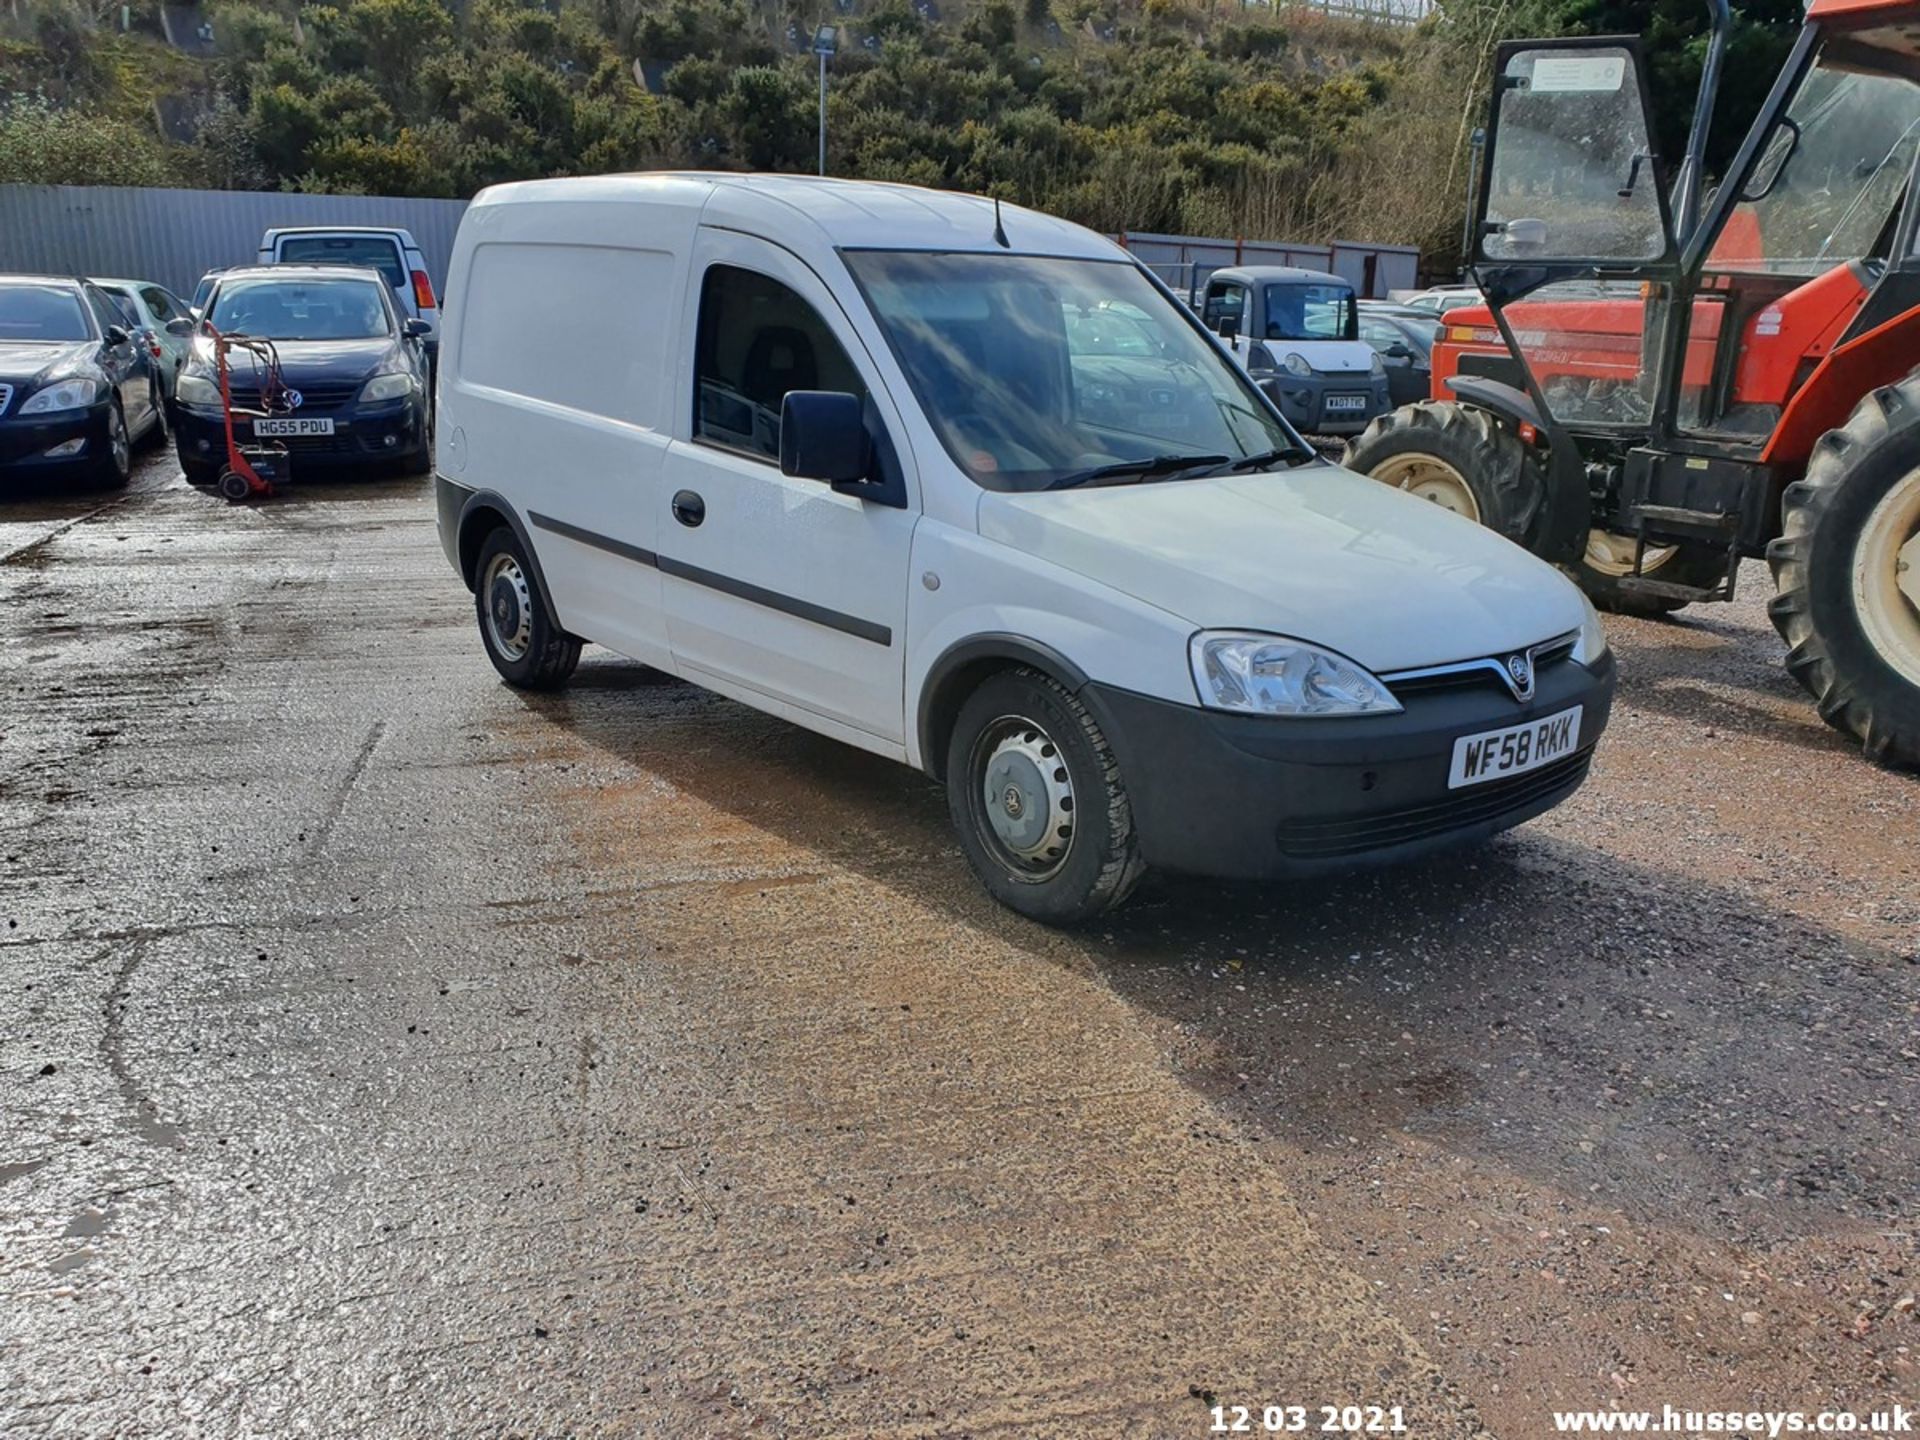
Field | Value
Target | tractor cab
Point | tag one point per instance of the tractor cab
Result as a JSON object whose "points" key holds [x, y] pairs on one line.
{"points": [[1663, 374]]}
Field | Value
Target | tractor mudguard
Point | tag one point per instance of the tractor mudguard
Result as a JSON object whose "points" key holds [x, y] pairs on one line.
{"points": [[1558, 531]]}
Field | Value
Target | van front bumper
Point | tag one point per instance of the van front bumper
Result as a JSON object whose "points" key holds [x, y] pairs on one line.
{"points": [[1321, 404], [1259, 797]]}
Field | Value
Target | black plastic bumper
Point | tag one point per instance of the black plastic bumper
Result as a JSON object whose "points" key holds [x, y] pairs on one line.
{"points": [[449, 502], [1307, 401], [24, 443], [360, 437], [1245, 796]]}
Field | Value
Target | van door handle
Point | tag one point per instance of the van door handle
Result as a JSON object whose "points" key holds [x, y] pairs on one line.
{"points": [[688, 508]]}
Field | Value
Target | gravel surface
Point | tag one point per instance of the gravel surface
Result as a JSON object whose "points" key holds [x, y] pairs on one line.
{"points": [[390, 1053]]}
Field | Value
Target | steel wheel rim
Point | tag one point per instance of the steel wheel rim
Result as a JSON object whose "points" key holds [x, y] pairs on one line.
{"points": [[1432, 479], [1025, 791], [1886, 577], [509, 607], [1611, 554]]}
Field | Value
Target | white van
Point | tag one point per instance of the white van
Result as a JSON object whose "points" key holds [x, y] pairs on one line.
{"points": [[834, 450]]}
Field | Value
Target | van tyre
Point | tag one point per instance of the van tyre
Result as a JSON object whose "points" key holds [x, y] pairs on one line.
{"points": [[1037, 798], [1460, 458], [1844, 569], [524, 642]]}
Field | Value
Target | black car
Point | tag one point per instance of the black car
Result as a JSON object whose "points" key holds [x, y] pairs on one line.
{"points": [[1404, 342], [354, 376], [76, 392]]}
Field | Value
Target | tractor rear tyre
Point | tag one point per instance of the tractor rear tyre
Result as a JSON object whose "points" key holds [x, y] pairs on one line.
{"points": [[1609, 560], [1847, 571], [1458, 457], [1462, 458]]}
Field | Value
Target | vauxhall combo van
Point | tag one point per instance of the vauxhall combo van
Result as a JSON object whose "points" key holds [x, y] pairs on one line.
{"points": [[965, 486]]}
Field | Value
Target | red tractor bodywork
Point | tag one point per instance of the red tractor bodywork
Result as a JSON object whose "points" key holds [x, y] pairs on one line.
{"points": [[1787, 355]]}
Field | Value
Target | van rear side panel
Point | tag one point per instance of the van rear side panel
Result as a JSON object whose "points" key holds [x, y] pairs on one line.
{"points": [[559, 377]]}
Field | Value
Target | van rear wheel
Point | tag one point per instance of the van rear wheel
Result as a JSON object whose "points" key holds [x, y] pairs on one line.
{"points": [[1037, 799], [524, 642]]}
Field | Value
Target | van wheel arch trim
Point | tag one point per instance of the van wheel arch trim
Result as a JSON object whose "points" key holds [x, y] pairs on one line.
{"points": [[471, 539], [940, 702]]}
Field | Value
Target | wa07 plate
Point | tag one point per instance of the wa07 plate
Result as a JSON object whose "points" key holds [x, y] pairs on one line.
{"points": [[1496, 754]]}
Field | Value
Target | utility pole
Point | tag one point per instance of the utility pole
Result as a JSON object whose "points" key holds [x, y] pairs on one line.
{"points": [[826, 40]]}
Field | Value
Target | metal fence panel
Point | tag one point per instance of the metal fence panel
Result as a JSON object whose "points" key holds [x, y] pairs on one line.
{"points": [[176, 236], [1372, 269]]}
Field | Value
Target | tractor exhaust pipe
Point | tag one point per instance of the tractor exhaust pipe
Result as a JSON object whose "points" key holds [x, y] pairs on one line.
{"points": [[1686, 190]]}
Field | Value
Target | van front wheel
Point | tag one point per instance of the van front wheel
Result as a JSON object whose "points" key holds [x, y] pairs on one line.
{"points": [[1037, 798], [524, 642]]}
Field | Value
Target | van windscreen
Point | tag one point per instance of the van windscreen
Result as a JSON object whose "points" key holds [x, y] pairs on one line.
{"points": [[1035, 369]]}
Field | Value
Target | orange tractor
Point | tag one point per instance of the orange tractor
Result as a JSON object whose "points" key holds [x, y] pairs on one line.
{"points": [[1658, 387]]}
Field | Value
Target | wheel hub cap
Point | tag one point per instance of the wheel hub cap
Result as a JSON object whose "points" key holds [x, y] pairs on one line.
{"points": [[509, 607], [1886, 577], [1612, 554], [1431, 479], [1028, 795]]}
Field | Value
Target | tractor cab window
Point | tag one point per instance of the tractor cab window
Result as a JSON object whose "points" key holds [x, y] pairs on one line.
{"points": [[1832, 174]]}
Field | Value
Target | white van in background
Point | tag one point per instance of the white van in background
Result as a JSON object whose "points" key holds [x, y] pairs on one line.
{"points": [[875, 459], [390, 251]]}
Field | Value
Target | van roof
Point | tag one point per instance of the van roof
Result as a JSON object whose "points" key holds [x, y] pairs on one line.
{"points": [[386, 232], [845, 214], [1278, 274]]}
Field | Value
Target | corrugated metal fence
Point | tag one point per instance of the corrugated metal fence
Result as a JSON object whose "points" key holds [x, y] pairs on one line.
{"points": [[1185, 261], [176, 236]]}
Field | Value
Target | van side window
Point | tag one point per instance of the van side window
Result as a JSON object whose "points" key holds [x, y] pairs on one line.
{"points": [[1223, 299], [757, 341]]}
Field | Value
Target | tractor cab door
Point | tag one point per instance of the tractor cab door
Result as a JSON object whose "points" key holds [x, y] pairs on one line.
{"points": [[1573, 239]]}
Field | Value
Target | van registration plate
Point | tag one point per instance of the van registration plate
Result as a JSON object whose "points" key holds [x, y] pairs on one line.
{"points": [[296, 425], [1514, 750], [1346, 402]]}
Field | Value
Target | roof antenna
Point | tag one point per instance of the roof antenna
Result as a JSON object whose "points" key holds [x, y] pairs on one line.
{"points": [[999, 230]]}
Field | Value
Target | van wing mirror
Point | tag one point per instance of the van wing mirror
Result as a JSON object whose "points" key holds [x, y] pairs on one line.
{"points": [[1570, 172], [1227, 326], [823, 436]]}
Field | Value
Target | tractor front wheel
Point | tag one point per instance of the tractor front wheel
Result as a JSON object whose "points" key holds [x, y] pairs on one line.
{"points": [[1847, 571], [1459, 458]]}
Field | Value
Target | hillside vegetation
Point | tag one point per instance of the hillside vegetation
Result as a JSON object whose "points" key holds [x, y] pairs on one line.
{"points": [[1122, 114]]}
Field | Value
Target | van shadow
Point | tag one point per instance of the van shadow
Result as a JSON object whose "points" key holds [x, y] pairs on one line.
{"points": [[1594, 1023]]}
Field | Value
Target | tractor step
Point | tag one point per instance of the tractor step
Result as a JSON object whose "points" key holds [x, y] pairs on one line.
{"points": [[1675, 522], [1666, 590]]}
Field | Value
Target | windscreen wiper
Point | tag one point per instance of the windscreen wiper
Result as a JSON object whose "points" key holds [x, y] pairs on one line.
{"points": [[1268, 457], [1145, 465]]}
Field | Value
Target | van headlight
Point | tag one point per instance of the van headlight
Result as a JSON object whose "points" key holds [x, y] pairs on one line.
{"points": [[1592, 643], [1272, 675], [1378, 368], [1296, 364], [75, 394], [395, 386], [196, 390]]}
